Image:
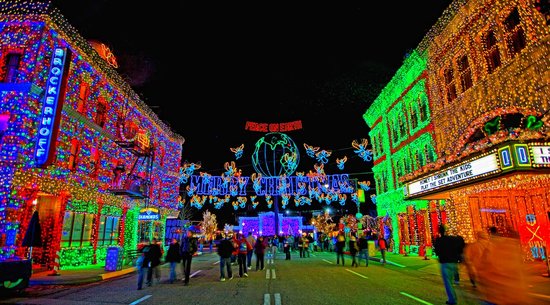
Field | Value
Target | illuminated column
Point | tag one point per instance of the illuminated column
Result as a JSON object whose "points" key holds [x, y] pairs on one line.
{"points": [[95, 229], [58, 228]]}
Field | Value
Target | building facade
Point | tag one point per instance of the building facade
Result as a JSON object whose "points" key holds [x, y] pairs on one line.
{"points": [[77, 145], [487, 90]]}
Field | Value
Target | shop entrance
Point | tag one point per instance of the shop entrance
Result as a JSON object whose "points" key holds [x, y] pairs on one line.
{"points": [[48, 208]]}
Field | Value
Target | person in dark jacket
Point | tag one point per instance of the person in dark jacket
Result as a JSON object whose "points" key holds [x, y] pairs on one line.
{"points": [[173, 257], [155, 255], [259, 250], [449, 252], [225, 250], [187, 250]]}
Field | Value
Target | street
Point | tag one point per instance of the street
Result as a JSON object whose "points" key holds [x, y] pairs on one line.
{"points": [[313, 280]]}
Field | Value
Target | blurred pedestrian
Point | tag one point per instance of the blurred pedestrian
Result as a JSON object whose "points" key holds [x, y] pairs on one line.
{"points": [[286, 247], [473, 253], [448, 251], [173, 257], [251, 240], [500, 272], [340, 245], [188, 248], [143, 261], [154, 268], [243, 248], [259, 250], [225, 250], [353, 249], [383, 247], [363, 244]]}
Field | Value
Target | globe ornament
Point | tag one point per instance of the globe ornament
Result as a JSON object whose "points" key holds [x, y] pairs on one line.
{"points": [[275, 154]]}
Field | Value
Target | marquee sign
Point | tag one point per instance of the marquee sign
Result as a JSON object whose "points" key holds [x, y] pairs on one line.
{"points": [[476, 168], [508, 157], [51, 108]]}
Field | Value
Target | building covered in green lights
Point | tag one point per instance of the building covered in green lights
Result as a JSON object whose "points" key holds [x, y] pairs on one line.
{"points": [[461, 134]]}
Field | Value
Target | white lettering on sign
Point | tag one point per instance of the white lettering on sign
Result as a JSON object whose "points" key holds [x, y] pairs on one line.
{"points": [[49, 110], [541, 155], [464, 172]]}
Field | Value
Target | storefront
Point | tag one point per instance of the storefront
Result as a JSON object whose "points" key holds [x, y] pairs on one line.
{"points": [[507, 187]]}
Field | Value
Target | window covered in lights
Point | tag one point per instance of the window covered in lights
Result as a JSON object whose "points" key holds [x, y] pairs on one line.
{"points": [[492, 53], [465, 73], [77, 229], [108, 231], [10, 67], [73, 154], [423, 105], [83, 94], [515, 36], [450, 86], [101, 112]]}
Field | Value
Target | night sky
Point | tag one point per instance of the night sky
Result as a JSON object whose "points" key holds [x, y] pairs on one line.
{"points": [[227, 63]]}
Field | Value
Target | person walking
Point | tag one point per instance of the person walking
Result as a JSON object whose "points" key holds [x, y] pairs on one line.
{"points": [[274, 246], [259, 250], [363, 244], [251, 240], [173, 257], [473, 252], [243, 248], [383, 247], [155, 253], [340, 245], [143, 261], [501, 272], [448, 251], [286, 247], [353, 249], [187, 250], [225, 250]]}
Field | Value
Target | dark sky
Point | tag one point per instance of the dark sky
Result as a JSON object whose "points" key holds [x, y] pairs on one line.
{"points": [[207, 68]]}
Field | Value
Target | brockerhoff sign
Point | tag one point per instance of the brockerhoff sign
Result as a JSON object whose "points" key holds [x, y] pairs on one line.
{"points": [[51, 108]]}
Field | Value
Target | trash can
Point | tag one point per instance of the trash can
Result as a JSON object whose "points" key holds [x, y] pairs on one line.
{"points": [[113, 259]]}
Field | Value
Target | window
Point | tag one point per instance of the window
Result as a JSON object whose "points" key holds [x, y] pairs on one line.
{"points": [[10, 67], [108, 231], [414, 119], [83, 94], [77, 230], [101, 112], [95, 162], [73, 156], [465, 73], [514, 32], [423, 104], [450, 86], [492, 53]]}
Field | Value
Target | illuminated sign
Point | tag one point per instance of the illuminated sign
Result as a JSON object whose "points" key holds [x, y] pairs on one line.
{"points": [[541, 155], [149, 214], [294, 185], [273, 127], [51, 108], [459, 174]]}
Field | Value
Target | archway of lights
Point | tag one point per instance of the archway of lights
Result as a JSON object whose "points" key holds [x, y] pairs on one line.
{"points": [[275, 159]]}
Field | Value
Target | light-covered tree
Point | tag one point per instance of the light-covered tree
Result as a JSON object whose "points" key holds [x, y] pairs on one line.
{"points": [[209, 225], [323, 223]]}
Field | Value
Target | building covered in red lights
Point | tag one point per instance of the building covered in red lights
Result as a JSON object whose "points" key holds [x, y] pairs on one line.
{"points": [[77, 145]]}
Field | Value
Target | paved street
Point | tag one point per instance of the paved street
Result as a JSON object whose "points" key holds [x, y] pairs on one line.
{"points": [[314, 280]]}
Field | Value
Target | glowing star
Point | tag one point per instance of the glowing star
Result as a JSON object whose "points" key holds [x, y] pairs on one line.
{"points": [[238, 151], [310, 150], [340, 162], [323, 155], [365, 185], [362, 151]]}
